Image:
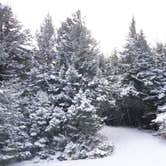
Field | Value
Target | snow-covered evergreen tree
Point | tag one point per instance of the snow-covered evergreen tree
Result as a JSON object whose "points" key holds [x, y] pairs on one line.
{"points": [[15, 62], [49, 96], [76, 46], [161, 121], [46, 41], [134, 102], [130, 50], [160, 89], [14, 55], [14, 124], [83, 117]]}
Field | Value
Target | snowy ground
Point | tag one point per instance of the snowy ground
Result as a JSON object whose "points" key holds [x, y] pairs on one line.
{"points": [[132, 147]]}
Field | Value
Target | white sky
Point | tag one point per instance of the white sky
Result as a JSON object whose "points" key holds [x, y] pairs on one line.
{"points": [[107, 19]]}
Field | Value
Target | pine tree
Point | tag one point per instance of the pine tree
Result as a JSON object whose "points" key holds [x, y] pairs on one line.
{"points": [[83, 117], [76, 46], [15, 62], [46, 41], [83, 124], [134, 99], [14, 55], [13, 124], [132, 29], [130, 50], [159, 90]]}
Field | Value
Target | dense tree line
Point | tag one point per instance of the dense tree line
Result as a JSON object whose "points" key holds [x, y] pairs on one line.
{"points": [[140, 83], [55, 96], [49, 92]]}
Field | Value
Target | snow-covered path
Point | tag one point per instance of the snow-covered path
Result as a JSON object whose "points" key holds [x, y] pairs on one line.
{"points": [[132, 148]]}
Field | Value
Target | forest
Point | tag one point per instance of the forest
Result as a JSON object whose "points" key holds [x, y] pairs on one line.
{"points": [[57, 89]]}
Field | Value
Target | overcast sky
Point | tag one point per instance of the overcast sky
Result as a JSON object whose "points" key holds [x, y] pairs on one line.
{"points": [[107, 19]]}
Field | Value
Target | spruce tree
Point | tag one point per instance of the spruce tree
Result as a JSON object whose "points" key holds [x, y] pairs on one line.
{"points": [[46, 42], [49, 94], [14, 55], [133, 99], [76, 46], [130, 49]]}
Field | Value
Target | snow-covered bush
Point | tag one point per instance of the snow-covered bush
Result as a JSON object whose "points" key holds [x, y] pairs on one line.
{"points": [[161, 120], [87, 147], [82, 117], [81, 130]]}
